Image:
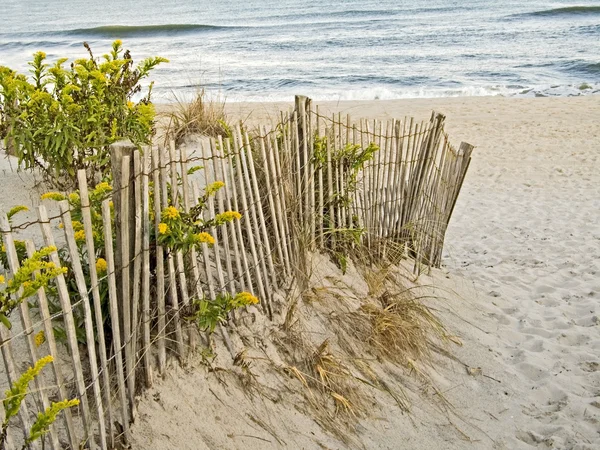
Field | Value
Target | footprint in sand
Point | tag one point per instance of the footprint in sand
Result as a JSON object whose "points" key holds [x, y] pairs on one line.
{"points": [[537, 345]]}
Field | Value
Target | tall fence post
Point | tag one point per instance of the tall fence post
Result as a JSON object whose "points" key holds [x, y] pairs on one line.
{"points": [[122, 163]]}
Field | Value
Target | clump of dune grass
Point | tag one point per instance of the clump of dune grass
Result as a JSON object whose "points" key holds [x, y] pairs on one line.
{"points": [[333, 393], [401, 328], [198, 116]]}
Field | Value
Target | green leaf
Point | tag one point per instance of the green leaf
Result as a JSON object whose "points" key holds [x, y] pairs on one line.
{"points": [[5, 321]]}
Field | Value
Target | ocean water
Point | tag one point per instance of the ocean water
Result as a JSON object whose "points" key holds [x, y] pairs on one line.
{"points": [[250, 50]]}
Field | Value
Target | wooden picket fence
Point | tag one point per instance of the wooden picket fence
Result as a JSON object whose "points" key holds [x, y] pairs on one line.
{"points": [[299, 188]]}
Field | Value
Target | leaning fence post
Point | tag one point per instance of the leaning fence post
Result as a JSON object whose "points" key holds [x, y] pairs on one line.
{"points": [[120, 151]]}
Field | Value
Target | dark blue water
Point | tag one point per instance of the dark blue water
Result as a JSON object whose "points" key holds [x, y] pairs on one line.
{"points": [[343, 49]]}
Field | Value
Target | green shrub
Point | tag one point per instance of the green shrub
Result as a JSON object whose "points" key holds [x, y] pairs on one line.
{"points": [[63, 119]]}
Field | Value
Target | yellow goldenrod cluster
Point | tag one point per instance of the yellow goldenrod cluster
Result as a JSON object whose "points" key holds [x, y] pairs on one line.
{"points": [[74, 197], [57, 196], [163, 228], [2, 280], [80, 236], [40, 338], [35, 273], [245, 298], [204, 238], [77, 225], [102, 188], [101, 266], [44, 419], [227, 216], [170, 213], [16, 210], [213, 187], [14, 396]]}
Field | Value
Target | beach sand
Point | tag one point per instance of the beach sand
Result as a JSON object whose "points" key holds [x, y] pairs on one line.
{"points": [[521, 279], [521, 287]]}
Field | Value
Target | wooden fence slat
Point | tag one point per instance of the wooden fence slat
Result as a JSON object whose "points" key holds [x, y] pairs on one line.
{"points": [[229, 186], [247, 277], [205, 254], [56, 367], [113, 298], [217, 175], [145, 282], [210, 204], [91, 250], [80, 282], [268, 255], [197, 288], [331, 207], [271, 200], [275, 157], [13, 265], [320, 203], [65, 302], [136, 284], [177, 204], [125, 265], [172, 287], [160, 264], [311, 176]]}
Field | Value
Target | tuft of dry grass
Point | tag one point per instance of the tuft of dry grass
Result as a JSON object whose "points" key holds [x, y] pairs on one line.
{"points": [[401, 329], [200, 116]]}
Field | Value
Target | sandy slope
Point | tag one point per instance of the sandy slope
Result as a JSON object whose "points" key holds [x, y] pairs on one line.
{"points": [[523, 258], [521, 278]]}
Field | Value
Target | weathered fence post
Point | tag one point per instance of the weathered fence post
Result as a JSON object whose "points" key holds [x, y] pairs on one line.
{"points": [[122, 156]]}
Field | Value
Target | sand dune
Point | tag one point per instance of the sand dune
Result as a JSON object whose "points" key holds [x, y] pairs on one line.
{"points": [[523, 252], [521, 278]]}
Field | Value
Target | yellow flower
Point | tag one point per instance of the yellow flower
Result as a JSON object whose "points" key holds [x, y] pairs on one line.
{"points": [[101, 265], [17, 209], [3, 248], [170, 212], [204, 238], [118, 42], [40, 338], [227, 216], [74, 197], [80, 236], [245, 298], [2, 280], [102, 188], [214, 187], [163, 228], [57, 196], [130, 105], [77, 225]]}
